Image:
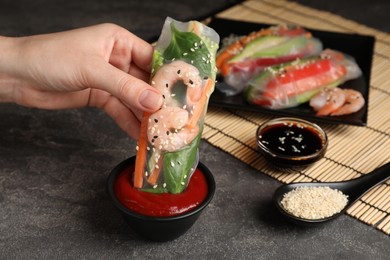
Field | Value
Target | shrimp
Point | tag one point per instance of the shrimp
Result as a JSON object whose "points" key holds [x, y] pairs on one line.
{"points": [[167, 131], [169, 74], [327, 101], [354, 102], [168, 128]]}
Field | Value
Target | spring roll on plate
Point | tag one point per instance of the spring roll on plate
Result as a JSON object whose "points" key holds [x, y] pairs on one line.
{"points": [[290, 84], [184, 71], [240, 61]]}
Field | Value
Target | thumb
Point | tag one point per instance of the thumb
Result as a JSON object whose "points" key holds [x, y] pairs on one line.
{"points": [[130, 90]]}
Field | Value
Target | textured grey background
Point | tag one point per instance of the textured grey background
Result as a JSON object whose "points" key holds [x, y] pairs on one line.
{"points": [[54, 164]]}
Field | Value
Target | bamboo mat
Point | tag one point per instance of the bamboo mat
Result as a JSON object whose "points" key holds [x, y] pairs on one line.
{"points": [[353, 150]]}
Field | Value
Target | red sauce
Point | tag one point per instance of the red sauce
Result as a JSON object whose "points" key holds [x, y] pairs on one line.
{"points": [[160, 205]]}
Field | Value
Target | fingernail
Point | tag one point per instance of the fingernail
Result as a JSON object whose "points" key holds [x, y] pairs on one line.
{"points": [[150, 99]]}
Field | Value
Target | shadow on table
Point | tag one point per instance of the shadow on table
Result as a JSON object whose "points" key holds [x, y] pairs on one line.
{"points": [[271, 217]]}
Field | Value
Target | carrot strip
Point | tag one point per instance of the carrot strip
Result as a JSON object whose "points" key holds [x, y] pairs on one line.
{"points": [[228, 53], [152, 180], [196, 28], [141, 153], [198, 110], [225, 69]]}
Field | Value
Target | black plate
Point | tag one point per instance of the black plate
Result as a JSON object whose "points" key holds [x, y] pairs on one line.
{"points": [[360, 47]]}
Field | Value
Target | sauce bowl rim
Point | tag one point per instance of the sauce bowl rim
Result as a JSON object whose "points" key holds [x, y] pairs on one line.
{"points": [[321, 133]]}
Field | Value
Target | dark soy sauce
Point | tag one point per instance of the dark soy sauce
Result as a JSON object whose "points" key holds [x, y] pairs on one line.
{"points": [[291, 139]]}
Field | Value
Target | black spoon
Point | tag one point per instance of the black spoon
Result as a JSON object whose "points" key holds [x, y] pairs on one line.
{"points": [[354, 189]]}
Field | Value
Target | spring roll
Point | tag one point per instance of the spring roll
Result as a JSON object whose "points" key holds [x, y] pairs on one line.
{"points": [[184, 71], [246, 57], [290, 84]]}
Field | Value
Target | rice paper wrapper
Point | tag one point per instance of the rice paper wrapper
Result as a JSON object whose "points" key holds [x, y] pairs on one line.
{"points": [[291, 84], [183, 70]]}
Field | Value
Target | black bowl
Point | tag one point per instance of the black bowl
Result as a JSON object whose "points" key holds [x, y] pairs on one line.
{"points": [[159, 228], [316, 142]]}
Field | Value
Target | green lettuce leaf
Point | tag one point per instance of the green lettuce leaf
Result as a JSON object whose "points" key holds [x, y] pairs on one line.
{"points": [[189, 47], [177, 166]]}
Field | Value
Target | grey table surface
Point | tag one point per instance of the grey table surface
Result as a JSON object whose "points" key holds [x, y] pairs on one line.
{"points": [[54, 164]]}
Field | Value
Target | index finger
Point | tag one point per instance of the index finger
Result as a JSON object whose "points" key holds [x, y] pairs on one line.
{"points": [[127, 50]]}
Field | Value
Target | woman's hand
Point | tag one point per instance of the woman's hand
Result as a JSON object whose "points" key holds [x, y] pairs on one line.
{"points": [[103, 66]]}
